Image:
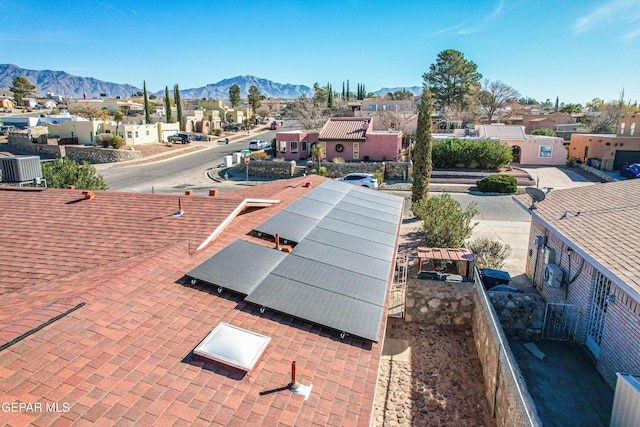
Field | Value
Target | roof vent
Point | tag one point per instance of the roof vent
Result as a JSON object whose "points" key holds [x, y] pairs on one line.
{"points": [[233, 346]]}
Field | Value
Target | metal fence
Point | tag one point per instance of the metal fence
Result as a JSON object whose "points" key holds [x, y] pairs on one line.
{"points": [[509, 400]]}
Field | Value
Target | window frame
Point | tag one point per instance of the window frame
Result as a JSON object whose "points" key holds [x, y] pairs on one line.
{"points": [[547, 149]]}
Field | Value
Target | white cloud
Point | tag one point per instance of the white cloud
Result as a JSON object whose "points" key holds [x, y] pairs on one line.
{"points": [[612, 12], [497, 11], [630, 36]]}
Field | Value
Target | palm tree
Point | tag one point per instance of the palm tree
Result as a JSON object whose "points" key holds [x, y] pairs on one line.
{"points": [[317, 153], [118, 116]]}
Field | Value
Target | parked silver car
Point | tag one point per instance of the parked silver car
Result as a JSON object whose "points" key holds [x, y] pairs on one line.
{"points": [[363, 179]]}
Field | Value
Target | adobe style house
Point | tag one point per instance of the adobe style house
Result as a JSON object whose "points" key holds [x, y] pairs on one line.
{"points": [[583, 258], [102, 317], [532, 122], [352, 139], [613, 151], [527, 149]]}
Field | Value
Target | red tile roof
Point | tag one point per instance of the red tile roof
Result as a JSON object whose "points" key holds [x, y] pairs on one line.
{"points": [[601, 223], [118, 327], [345, 129]]}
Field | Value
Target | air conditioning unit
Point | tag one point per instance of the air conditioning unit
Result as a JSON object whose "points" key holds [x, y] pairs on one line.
{"points": [[20, 168], [552, 276]]}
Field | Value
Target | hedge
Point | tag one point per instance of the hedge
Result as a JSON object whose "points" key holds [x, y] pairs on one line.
{"points": [[454, 152], [497, 183]]}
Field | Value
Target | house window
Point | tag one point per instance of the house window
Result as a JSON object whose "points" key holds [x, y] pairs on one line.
{"points": [[621, 128], [147, 132], [632, 129], [372, 107], [136, 134], [356, 150], [129, 134], [283, 146], [545, 151], [294, 146], [304, 146]]}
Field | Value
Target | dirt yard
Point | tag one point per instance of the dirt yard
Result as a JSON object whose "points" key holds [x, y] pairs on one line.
{"points": [[430, 375]]}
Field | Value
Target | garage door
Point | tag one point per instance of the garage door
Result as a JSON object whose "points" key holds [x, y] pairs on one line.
{"points": [[625, 157], [166, 134]]}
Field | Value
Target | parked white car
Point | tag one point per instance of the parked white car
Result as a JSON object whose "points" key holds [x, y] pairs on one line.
{"points": [[363, 179], [258, 144]]}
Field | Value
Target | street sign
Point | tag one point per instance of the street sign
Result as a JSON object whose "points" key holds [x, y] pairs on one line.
{"points": [[246, 160]]}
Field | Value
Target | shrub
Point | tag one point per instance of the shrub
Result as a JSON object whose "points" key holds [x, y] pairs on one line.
{"points": [[217, 132], [278, 160], [498, 183], [543, 132], [446, 225], [455, 152], [571, 163], [379, 177], [258, 155], [490, 253], [338, 160], [323, 171], [109, 140], [61, 173]]}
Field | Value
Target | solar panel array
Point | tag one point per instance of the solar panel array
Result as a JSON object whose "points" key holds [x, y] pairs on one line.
{"points": [[338, 272]]}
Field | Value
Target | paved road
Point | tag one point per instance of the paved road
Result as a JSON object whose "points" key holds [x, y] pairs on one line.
{"points": [[180, 173]]}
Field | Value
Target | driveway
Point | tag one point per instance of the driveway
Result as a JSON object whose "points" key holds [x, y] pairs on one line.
{"points": [[559, 177]]}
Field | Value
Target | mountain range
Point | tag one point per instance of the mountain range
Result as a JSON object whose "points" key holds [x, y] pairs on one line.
{"points": [[62, 83]]}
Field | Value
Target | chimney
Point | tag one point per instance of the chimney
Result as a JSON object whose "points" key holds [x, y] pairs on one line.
{"points": [[213, 193], [277, 241], [88, 195], [188, 193], [71, 187], [307, 184]]}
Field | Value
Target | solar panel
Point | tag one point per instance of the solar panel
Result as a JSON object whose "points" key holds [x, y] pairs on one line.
{"points": [[359, 231], [361, 210], [373, 267], [320, 306], [289, 225], [239, 267], [377, 196], [331, 278], [350, 243], [364, 220], [338, 186], [371, 205], [310, 208], [325, 195]]}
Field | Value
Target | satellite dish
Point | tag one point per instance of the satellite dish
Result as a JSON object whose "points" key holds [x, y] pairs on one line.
{"points": [[537, 195]]}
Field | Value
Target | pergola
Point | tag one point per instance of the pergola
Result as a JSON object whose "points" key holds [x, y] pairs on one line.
{"points": [[463, 258]]}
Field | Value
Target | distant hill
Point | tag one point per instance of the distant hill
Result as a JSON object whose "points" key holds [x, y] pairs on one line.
{"points": [[266, 87], [416, 90], [62, 83]]}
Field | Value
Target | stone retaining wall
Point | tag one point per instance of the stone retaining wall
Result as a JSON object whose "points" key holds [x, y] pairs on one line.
{"points": [[389, 170], [521, 315], [596, 172], [442, 303], [78, 153], [269, 169]]}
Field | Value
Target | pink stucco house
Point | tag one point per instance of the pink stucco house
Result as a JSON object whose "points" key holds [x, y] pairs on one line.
{"points": [[352, 139]]}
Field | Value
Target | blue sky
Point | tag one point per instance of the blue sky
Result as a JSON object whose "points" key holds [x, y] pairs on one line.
{"points": [[574, 50]]}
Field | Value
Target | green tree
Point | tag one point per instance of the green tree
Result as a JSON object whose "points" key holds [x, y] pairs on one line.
{"points": [[254, 98], [176, 96], [571, 108], [167, 104], [317, 153], [118, 116], [330, 100], [543, 132], [422, 164], [147, 118], [445, 225], [343, 94], [234, 95], [21, 89], [348, 94], [402, 94], [452, 79], [61, 173]]}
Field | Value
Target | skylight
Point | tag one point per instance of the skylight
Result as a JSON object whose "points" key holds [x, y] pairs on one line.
{"points": [[233, 346]]}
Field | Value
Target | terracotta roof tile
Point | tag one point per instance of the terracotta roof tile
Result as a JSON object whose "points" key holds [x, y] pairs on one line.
{"points": [[125, 357], [599, 219], [345, 129]]}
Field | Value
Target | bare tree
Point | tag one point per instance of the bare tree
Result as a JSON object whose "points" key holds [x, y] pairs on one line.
{"points": [[494, 96], [405, 121], [606, 120], [309, 112], [91, 112]]}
